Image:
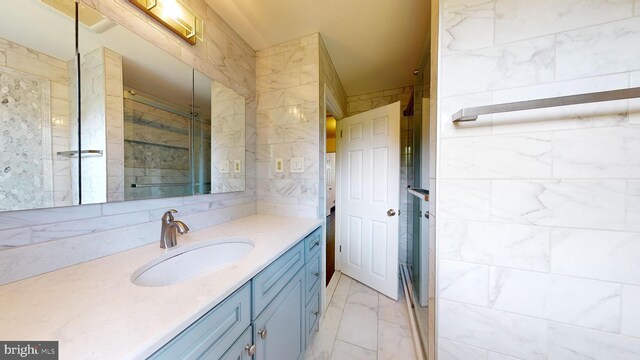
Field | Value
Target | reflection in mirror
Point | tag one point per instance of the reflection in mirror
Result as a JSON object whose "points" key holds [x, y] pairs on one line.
{"points": [[219, 147], [137, 109], [38, 85]]}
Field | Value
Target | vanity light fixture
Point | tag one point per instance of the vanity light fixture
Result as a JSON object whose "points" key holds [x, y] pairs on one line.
{"points": [[173, 15]]}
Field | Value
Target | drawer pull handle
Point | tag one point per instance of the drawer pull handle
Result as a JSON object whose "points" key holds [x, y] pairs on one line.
{"points": [[316, 274], [316, 313], [314, 245], [251, 349], [262, 333]]}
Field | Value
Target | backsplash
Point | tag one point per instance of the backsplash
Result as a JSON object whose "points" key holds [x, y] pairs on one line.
{"points": [[33, 242], [537, 230]]}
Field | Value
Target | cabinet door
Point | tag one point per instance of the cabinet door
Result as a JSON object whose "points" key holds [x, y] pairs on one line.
{"points": [[239, 350], [279, 332]]}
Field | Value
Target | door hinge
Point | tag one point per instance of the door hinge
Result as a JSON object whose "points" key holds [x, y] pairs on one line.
{"points": [[340, 249], [340, 133]]}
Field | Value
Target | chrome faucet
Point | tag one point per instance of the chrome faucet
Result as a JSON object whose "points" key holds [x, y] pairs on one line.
{"points": [[170, 228]]}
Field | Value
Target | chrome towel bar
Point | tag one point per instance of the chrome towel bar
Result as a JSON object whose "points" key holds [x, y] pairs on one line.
{"points": [[472, 113]]}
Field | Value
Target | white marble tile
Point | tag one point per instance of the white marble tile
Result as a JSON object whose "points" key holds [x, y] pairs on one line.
{"points": [[634, 104], [588, 303], [604, 255], [517, 246], [633, 205], [27, 261], [468, 24], [393, 311], [517, 64], [140, 205], [568, 342], [395, 341], [359, 323], [631, 310], [358, 287], [522, 19], [606, 46], [14, 219], [463, 282], [597, 153], [603, 114], [589, 204], [322, 345], [15, 237], [67, 229], [465, 199], [346, 351], [303, 211], [499, 156], [499, 331], [339, 298], [453, 350], [451, 105], [498, 356]]}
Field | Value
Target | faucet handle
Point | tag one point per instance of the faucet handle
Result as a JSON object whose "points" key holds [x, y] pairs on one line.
{"points": [[168, 215]]}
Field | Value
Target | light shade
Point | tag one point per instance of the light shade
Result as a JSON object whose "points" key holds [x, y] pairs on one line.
{"points": [[173, 15]]}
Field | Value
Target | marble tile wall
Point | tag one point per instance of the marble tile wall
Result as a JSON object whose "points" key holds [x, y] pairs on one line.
{"points": [[537, 210], [364, 102], [287, 86], [28, 61], [114, 104], [227, 139], [38, 241], [93, 120]]}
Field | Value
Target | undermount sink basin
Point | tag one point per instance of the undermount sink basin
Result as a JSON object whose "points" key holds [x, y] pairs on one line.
{"points": [[183, 263]]}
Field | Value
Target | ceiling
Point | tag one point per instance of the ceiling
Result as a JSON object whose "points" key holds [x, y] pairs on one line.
{"points": [[374, 44]]}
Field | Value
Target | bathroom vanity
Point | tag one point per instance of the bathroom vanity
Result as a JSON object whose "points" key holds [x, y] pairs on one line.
{"points": [[266, 305], [273, 316]]}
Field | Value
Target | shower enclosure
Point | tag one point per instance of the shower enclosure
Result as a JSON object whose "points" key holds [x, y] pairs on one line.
{"points": [[157, 142]]}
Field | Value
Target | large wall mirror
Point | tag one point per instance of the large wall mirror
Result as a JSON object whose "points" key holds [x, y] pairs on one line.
{"points": [[150, 126], [38, 107], [219, 150]]}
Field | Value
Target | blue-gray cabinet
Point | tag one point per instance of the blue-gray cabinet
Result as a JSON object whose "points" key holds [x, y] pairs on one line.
{"points": [[279, 332], [272, 317]]}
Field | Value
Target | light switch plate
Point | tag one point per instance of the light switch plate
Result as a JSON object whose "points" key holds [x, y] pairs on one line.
{"points": [[224, 166], [297, 165], [237, 166], [279, 165]]}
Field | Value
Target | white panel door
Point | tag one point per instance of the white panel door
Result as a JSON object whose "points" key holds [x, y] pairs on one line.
{"points": [[368, 197]]}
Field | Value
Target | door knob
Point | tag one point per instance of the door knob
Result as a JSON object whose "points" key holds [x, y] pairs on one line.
{"points": [[391, 212], [262, 333], [251, 349]]}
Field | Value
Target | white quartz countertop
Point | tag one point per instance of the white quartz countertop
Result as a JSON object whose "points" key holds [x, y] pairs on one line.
{"points": [[95, 312]]}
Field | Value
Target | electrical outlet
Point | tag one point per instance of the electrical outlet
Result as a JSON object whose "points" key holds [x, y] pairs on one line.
{"points": [[237, 166], [279, 165], [297, 165]]}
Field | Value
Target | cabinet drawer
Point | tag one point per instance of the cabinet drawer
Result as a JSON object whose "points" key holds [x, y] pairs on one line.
{"points": [[213, 333], [312, 315], [312, 243], [313, 273], [275, 277], [238, 350]]}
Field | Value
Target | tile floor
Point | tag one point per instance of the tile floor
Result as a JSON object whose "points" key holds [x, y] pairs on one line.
{"points": [[361, 324]]}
